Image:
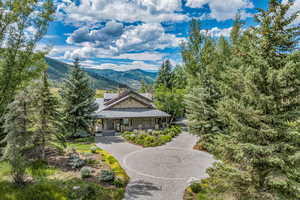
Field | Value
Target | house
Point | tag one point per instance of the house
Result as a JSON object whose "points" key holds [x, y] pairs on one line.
{"points": [[128, 110]]}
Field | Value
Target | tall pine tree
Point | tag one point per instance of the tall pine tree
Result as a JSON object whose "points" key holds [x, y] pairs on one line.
{"points": [[78, 98], [261, 108], [18, 139], [46, 116], [165, 75]]}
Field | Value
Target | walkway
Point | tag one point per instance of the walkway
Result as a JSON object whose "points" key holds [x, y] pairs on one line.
{"points": [[158, 173]]}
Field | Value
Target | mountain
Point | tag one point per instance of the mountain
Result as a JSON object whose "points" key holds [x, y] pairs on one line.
{"points": [[103, 78], [131, 78], [57, 71]]}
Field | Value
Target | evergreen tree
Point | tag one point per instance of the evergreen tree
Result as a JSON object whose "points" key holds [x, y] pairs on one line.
{"points": [[261, 108], [18, 49], [202, 92], [78, 101], [165, 75], [47, 117], [17, 128]]}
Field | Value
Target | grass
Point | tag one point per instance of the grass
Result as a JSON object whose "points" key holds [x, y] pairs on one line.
{"points": [[56, 184], [59, 190], [100, 93]]}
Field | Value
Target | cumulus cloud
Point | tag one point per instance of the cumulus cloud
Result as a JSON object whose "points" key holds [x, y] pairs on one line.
{"points": [[101, 37], [222, 10], [218, 32], [295, 7], [123, 66], [92, 11], [146, 36], [117, 39]]}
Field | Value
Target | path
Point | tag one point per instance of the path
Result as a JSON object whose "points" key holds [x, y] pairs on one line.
{"points": [[158, 173]]}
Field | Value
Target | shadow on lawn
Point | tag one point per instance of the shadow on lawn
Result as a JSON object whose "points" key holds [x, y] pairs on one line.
{"points": [[140, 188], [109, 139]]}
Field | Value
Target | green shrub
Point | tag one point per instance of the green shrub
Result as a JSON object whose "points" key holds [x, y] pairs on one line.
{"points": [[119, 183], [106, 175], [196, 187], [165, 138], [75, 161], [94, 149], [42, 190], [85, 172]]}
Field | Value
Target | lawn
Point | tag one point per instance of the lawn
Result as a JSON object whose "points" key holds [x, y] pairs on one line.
{"points": [[51, 182]]}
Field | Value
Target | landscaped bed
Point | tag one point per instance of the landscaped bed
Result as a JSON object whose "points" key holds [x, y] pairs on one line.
{"points": [[83, 172], [151, 138]]}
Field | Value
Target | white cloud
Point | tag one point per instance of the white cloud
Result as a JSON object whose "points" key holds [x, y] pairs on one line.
{"points": [[217, 32], [222, 10], [145, 37], [123, 67], [116, 39], [295, 7], [93, 11]]}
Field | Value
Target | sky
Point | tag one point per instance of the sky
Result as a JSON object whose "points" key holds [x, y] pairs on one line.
{"points": [[137, 34]]}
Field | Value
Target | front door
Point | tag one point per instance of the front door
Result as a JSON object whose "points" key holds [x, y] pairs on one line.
{"points": [[110, 124]]}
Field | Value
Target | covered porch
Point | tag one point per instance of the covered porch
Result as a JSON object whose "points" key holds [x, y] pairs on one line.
{"points": [[129, 124]]}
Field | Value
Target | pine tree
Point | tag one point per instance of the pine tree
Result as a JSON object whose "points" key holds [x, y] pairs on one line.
{"points": [[17, 127], [78, 101], [47, 117], [261, 156], [202, 91], [20, 53], [165, 75]]}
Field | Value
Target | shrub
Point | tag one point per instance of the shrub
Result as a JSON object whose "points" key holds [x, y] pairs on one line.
{"points": [[85, 172], [165, 138], [75, 161], [119, 182], [107, 175], [94, 149], [196, 187]]}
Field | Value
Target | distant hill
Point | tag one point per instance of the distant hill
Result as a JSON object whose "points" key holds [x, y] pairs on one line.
{"points": [[103, 78], [131, 78], [57, 71]]}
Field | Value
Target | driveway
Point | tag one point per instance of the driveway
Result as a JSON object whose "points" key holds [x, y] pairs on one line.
{"points": [[158, 173]]}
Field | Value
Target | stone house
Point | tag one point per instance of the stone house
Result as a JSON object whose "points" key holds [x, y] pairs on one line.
{"points": [[128, 110]]}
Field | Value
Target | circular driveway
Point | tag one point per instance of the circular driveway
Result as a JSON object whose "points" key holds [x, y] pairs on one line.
{"points": [[167, 163], [159, 173]]}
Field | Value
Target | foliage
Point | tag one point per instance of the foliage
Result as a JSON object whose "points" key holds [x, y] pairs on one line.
{"points": [[106, 176], [75, 161], [46, 117], [170, 101], [59, 190], [18, 138], [154, 138], [18, 48], [85, 172], [78, 102], [165, 75], [94, 149], [248, 109]]}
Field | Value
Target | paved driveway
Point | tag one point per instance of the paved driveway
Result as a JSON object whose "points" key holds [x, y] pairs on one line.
{"points": [[158, 173]]}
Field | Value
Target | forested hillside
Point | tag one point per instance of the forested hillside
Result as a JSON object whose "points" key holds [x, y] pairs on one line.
{"points": [[103, 78]]}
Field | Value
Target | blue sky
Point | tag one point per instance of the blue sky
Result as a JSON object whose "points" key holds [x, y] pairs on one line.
{"points": [[131, 34]]}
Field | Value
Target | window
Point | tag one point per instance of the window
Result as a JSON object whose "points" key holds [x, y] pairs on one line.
{"points": [[125, 121]]}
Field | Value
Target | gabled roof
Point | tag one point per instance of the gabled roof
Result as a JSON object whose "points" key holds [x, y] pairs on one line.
{"points": [[106, 108], [119, 100], [124, 94]]}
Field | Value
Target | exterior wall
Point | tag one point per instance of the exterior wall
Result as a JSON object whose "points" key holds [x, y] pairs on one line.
{"points": [[129, 103]]}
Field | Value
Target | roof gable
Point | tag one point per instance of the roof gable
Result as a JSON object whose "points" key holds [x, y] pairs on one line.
{"points": [[127, 93], [129, 101]]}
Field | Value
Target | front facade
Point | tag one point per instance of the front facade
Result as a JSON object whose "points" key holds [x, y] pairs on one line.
{"points": [[128, 110]]}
